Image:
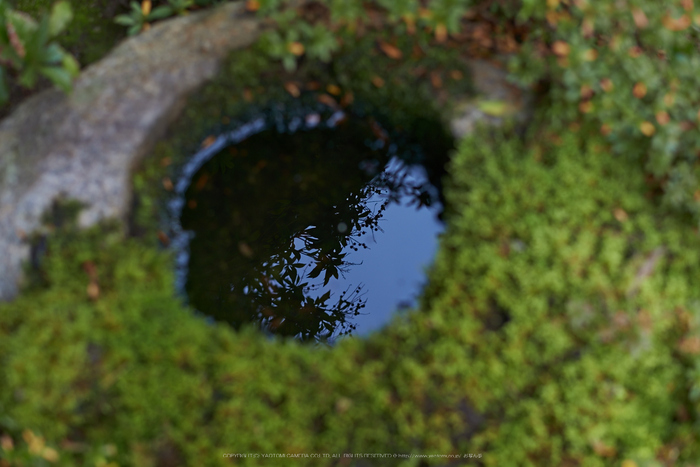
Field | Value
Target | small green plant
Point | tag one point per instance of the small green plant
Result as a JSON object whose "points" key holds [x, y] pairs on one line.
{"points": [[141, 16], [27, 49]]}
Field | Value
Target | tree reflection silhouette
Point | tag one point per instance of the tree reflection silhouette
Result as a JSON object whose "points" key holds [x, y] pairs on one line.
{"points": [[276, 213]]}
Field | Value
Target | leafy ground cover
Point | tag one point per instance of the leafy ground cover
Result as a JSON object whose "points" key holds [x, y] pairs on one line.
{"points": [[560, 325]]}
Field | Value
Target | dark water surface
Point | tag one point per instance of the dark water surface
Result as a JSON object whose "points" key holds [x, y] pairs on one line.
{"points": [[315, 232]]}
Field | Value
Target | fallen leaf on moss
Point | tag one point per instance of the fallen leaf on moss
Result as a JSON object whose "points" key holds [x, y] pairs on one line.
{"points": [[390, 50], [647, 128], [377, 81], [295, 48], [639, 90]]}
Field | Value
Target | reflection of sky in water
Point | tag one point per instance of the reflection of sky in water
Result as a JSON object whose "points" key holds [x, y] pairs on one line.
{"points": [[391, 270], [393, 267]]}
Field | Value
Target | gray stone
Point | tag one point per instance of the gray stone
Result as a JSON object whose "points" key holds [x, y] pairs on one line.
{"points": [[85, 145]]}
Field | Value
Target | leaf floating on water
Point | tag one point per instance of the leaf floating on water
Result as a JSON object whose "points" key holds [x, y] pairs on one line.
{"points": [[292, 89], [201, 181], [325, 99], [333, 90], [164, 239], [390, 50], [245, 249], [347, 99]]}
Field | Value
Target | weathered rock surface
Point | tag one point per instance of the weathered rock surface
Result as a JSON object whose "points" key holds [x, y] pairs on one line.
{"points": [[84, 146]]}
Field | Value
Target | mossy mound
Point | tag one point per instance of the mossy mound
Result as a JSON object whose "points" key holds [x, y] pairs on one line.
{"points": [[559, 327]]}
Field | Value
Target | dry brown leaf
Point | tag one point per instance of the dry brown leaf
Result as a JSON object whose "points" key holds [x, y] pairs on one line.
{"points": [[93, 291], [561, 48], [639, 90], [605, 129], [635, 51], [456, 75], [377, 81], [296, 48], [662, 117], [333, 90], [252, 5], [247, 95], [690, 345], [166, 161], [620, 214], [640, 18], [586, 91], [390, 50], [647, 128], [606, 84], [441, 33], [435, 79], [676, 24], [585, 107], [167, 184]]}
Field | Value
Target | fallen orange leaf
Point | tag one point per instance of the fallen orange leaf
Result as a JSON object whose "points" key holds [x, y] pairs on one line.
{"points": [[561, 48], [640, 18], [435, 79], [167, 184], [639, 90], [208, 141], [647, 128], [252, 5], [390, 50], [441, 32], [377, 81], [662, 117], [296, 48], [333, 89]]}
